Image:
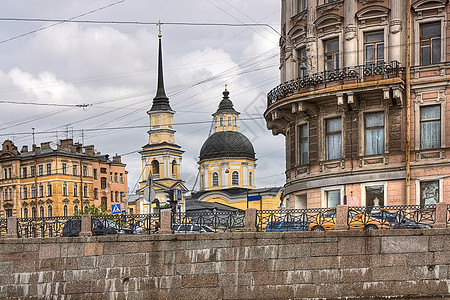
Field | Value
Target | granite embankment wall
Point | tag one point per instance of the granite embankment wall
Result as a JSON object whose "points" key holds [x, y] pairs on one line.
{"points": [[378, 264]]}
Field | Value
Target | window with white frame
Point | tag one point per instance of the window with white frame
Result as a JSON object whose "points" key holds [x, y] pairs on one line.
{"points": [[33, 191], [374, 133], [41, 190], [331, 55], [235, 178], [332, 198], [64, 168], [373, 48], [41, 170], [430, 43], [49, 169], [64, 189], [430, 127], [215, 179], [374, 195], [75, 190], [333, 130], [429, 192], [304, 144], [49, 189], [25, 192]]}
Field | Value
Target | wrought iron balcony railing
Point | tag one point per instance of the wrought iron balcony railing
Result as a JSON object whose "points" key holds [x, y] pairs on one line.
{"points": [[367, 72]]}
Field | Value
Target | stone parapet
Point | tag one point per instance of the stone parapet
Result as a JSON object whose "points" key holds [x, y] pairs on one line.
{"points": [[247, 265]]}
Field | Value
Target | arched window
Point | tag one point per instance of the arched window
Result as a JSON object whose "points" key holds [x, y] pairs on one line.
{"points": [[235, 178], [49, 211], [33, 213], [75, 210], [65, 210], [25, 213], [215, 179], [155, 167], [174, 168], [41, 211], [250, 179]]}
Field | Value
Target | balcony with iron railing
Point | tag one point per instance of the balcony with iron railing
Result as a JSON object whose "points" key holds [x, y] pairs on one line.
{"points": [[348, 75]]}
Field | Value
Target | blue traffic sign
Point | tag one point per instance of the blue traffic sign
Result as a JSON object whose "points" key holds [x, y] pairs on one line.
{"points": [[254, 198], [115, 209]]}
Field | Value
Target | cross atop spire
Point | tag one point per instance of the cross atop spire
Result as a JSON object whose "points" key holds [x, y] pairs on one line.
{"points": [[161, 101], [159, 28]]}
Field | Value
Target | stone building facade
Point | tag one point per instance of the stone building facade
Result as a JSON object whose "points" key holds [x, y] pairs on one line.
{"points": [[362, 102], [58, 179]]}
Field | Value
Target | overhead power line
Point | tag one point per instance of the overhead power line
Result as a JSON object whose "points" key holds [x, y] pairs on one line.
{"points": [[122, 127], [71, 20], [58, 22]]}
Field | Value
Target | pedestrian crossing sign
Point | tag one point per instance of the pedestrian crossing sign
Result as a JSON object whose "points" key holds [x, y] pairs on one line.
{"points": [[115, 209]]}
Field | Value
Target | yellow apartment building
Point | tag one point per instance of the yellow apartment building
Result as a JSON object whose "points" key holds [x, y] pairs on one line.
{"points": [[54, 179]]}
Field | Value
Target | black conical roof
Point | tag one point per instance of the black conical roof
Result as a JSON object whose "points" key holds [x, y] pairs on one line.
{"points": [[161, 101], [225, 106]]}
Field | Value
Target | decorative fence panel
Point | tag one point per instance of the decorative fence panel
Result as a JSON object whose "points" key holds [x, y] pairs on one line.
{"points": [[287, 219], [368, 72], [203, 222], [136, 223], [42, 227]]}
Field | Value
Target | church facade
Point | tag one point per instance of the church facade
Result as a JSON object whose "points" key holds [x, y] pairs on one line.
{"points": [[227, 165]]}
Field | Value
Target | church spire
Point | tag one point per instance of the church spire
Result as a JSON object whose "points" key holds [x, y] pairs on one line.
{"points": [[161, 101]]}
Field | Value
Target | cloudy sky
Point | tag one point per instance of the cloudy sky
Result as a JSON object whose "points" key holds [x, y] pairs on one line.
{"points": [[47, 68]]}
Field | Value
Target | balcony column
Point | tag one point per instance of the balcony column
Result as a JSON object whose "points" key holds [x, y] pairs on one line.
{"points": [[311, 40], [350, 40], [395, 29]]}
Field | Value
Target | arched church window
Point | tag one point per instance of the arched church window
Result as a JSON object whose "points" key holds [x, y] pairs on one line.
{"points": [[215, 179], [155, 167], [174, 168], [235, 178]]}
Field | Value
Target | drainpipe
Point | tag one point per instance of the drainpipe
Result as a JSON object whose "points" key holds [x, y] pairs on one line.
{"points": [[408, 102]]}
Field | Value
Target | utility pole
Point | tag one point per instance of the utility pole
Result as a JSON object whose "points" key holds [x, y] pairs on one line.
{"points": [[408, 102]]}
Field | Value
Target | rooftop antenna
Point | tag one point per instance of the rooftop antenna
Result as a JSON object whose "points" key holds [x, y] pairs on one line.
{"points": [[34, 142]]}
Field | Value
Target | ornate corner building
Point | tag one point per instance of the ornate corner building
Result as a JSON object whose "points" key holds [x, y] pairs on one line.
{"points": [[362, 102], [58, 179]]}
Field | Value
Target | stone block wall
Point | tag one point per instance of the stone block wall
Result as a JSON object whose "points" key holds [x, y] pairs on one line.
{"points": [[251, 265]]}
